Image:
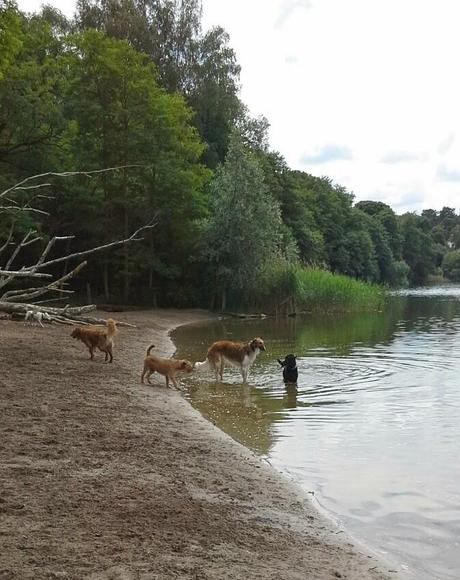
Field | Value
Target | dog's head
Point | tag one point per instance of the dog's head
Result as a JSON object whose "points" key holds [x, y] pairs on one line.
{"points": [[257, 343], [290, 361], [186, 366], [76, 333]]}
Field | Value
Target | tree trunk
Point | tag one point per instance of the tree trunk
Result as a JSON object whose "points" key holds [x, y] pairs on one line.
{"points": [[126, 280], [224, 300], [105, 280], [151, 266], [88, 293]]}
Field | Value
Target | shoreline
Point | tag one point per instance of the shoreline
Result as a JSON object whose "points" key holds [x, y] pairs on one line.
{"points": [[313, 504], [105, 478]]}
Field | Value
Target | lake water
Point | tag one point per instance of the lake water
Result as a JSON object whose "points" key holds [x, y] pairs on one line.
{"points": [[373, 426]]}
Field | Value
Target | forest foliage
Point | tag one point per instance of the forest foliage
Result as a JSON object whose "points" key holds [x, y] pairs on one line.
{"points": [[137, 84]]}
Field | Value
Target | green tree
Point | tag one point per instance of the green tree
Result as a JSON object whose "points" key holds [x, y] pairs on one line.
{"points": [[451, 265], [31, 102], [243, 232], [10, 34], [438, 234], [202, 67], [213, 93], [455, 237], [417, 247], [119, 116], [167, 30], [387, 217]]}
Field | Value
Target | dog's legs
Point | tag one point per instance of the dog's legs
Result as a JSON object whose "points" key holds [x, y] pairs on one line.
{"points": [[146, 372], [213, 366], [108, 353], [244, 372], [221, 369], [174, 382]]}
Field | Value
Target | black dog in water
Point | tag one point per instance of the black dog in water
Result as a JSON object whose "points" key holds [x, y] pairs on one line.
{"points": [[289, 365]]}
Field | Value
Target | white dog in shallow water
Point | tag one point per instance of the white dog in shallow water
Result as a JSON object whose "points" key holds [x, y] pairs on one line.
{"points": [[236, 353], [36, 316]]}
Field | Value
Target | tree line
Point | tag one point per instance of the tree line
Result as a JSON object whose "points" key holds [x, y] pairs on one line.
{"points": [[138, 85]]}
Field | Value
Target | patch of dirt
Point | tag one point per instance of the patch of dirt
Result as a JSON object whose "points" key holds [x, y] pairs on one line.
{"points": [[104, 478]]}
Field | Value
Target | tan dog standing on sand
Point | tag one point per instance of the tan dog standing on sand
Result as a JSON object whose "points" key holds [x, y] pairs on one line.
{"points": [[237, 354], [95, 336], [168, 367]]}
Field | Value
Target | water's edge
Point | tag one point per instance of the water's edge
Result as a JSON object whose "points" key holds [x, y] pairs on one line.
{"points": [[341, 533]]}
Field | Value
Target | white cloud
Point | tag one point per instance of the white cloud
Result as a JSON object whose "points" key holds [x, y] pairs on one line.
{"points": [[327, 154], [448, 174], [288, 8], [446, 144], [401, 157]]}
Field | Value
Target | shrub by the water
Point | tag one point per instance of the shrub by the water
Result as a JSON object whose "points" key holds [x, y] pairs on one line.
{"points": [[285, 288]]}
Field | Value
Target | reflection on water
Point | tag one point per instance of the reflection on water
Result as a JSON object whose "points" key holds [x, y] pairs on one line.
{"points": [[372, 425]]}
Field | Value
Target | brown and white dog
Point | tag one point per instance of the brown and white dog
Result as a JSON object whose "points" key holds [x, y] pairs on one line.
{"points": [[237, 354], [168, 367], [36, 316]]}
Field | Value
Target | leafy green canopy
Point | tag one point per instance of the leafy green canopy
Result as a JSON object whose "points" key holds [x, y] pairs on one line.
{"points": [[243, 232]]}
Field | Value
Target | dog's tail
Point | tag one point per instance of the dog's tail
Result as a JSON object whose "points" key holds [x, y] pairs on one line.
{"points": [[149, 349], [204, 365], [111, 327]]}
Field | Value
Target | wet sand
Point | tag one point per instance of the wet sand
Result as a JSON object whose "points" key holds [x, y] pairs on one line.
{"points": [[104, 478]]}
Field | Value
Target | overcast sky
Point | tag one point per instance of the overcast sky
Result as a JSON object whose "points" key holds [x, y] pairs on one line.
{"points": [[363, 91]]}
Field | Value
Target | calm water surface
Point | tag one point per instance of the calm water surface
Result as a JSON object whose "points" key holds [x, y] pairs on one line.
{"points": [[373, 425]]}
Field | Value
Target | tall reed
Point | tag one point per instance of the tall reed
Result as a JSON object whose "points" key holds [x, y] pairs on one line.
{"points": [[285, 288]]}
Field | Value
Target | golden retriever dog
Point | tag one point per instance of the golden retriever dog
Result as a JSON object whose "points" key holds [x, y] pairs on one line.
{"points": [[239, 354], [168, 367], [95, 336]]}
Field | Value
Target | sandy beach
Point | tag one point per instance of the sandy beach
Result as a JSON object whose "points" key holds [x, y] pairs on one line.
{"points": [[104, 478]]}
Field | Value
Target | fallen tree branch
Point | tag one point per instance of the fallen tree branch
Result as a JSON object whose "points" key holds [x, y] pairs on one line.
{"points": [[8, 239], [53, 287], [23, 274], [22, 308], [12, 301], [132, 238]]}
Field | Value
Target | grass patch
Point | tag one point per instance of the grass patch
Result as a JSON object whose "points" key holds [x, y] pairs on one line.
{"points": [[284, 288]]}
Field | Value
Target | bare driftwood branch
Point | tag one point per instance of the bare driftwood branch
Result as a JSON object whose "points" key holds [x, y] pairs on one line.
{"points": [[8, 239], [22, 274], [19, 185], [67, 315], [7, 275], [17, 301], [23, 208], [132, 238], [19, 307], [53, 287]]}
